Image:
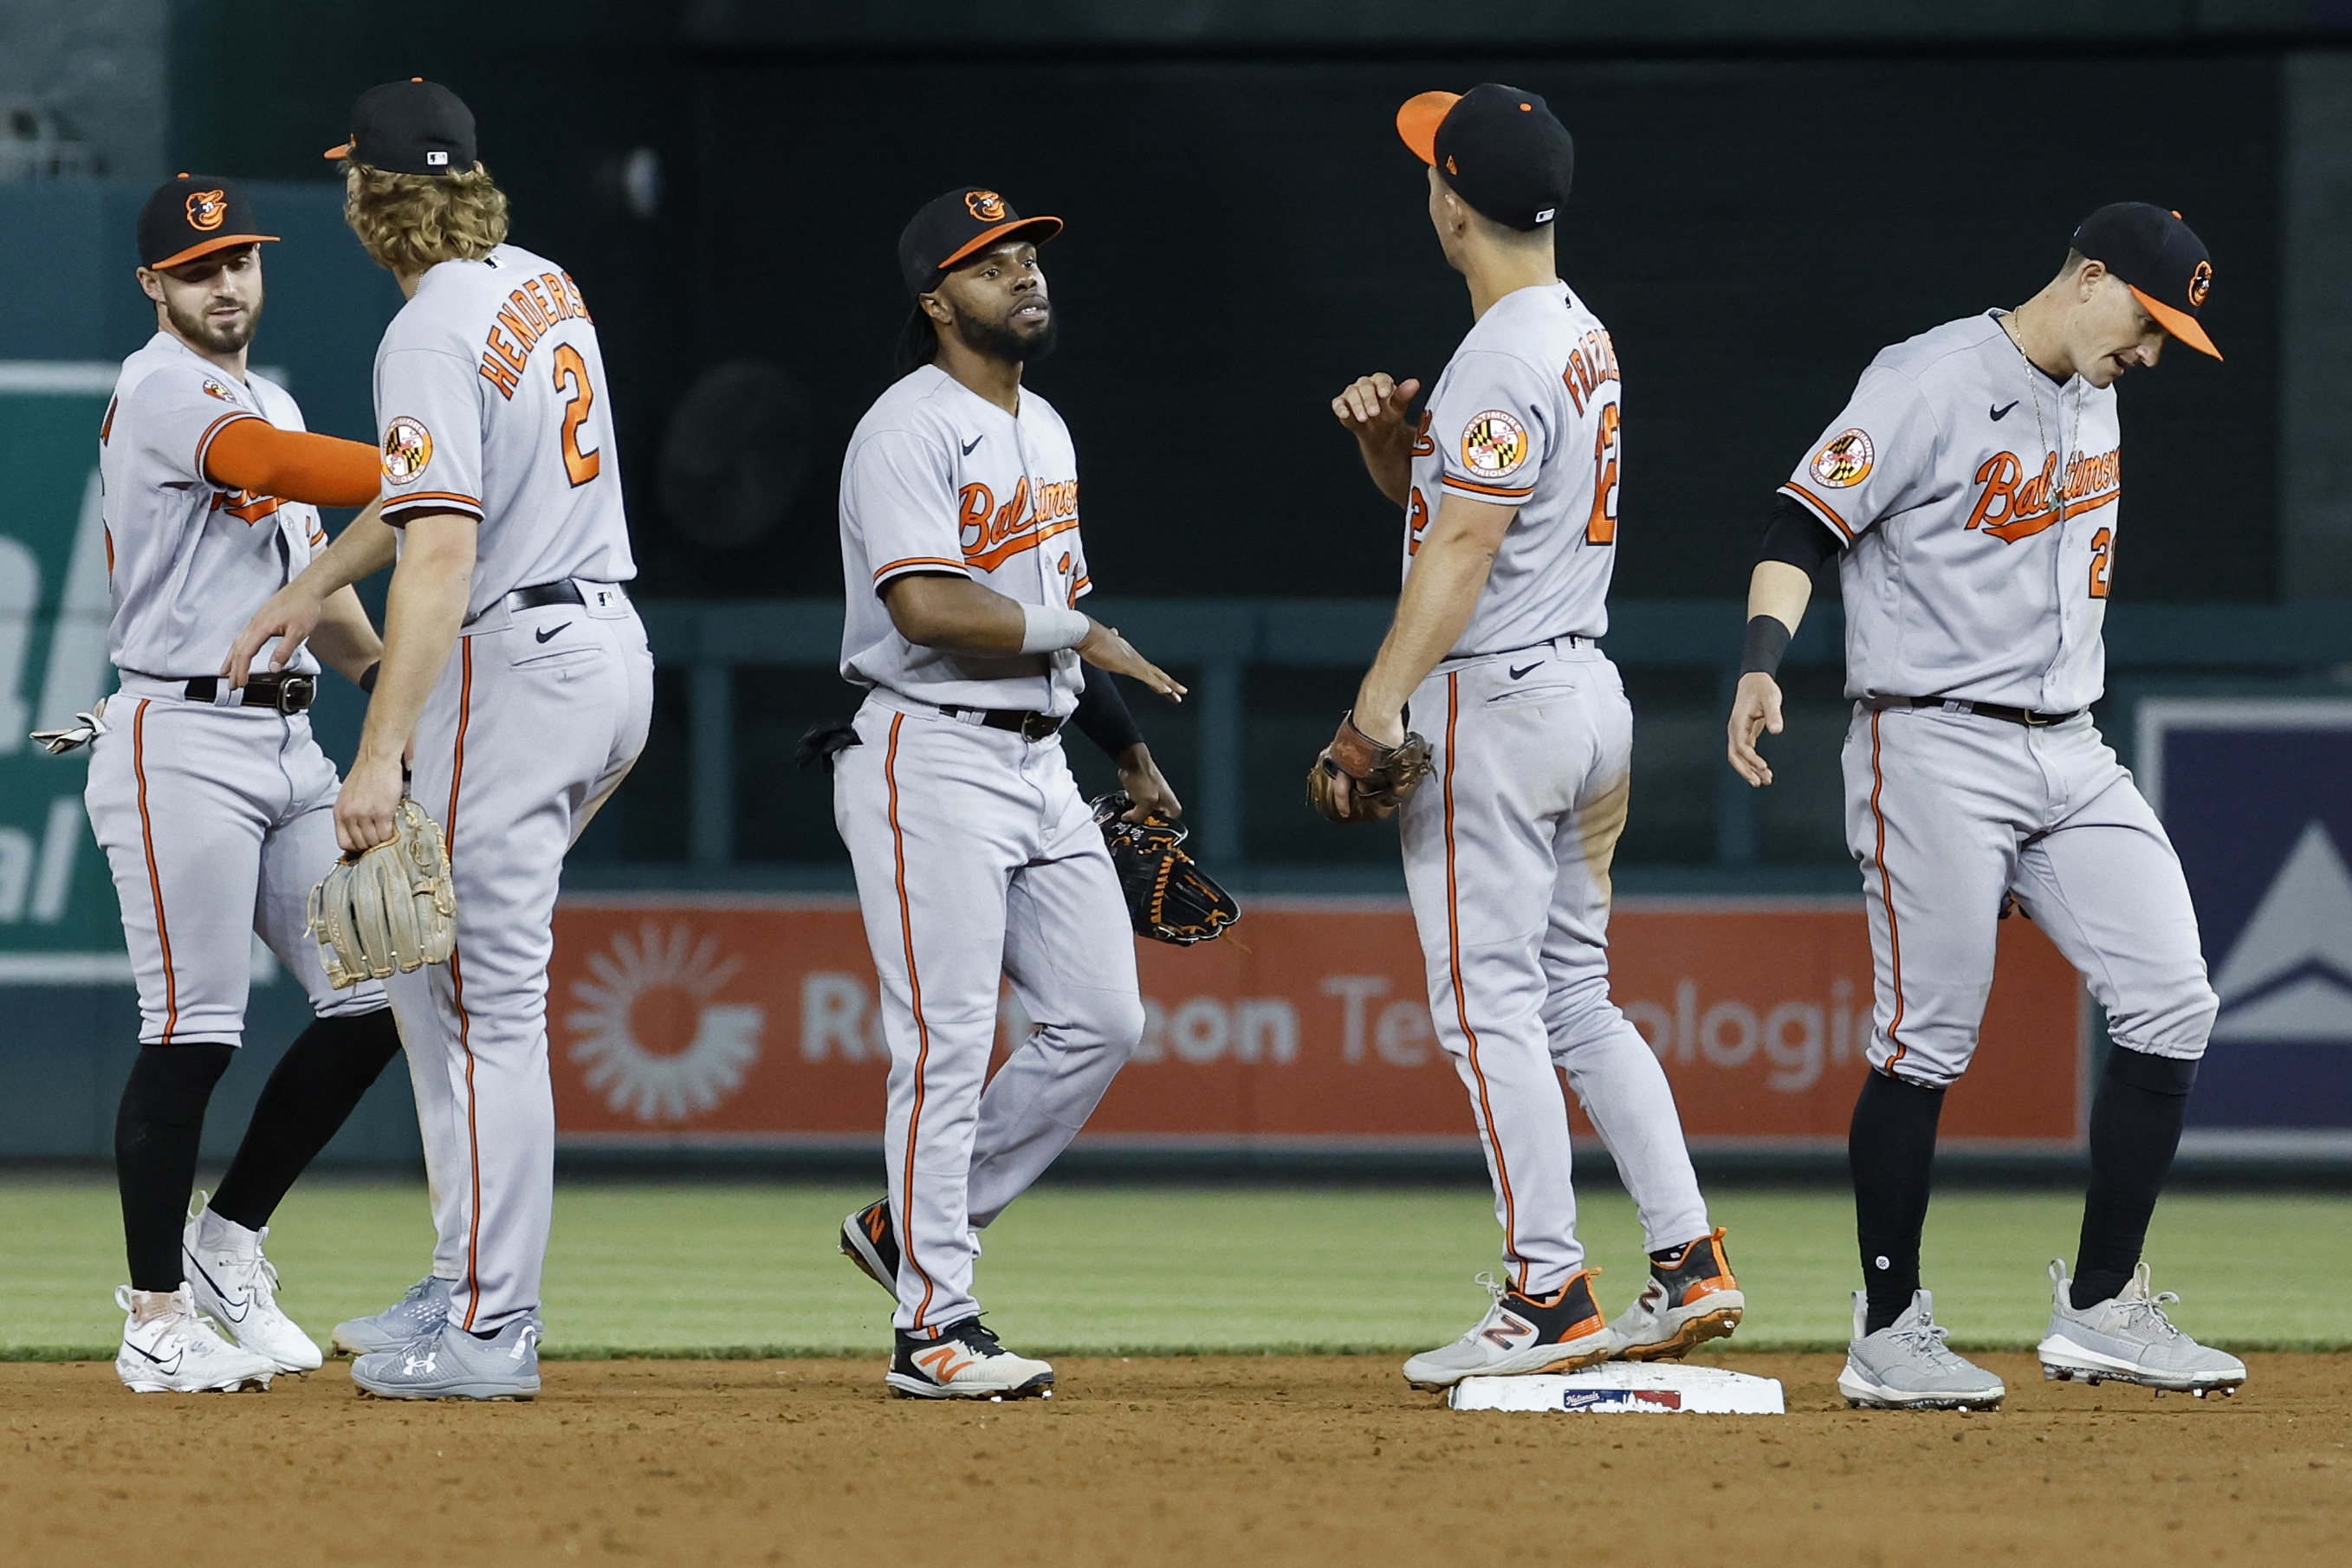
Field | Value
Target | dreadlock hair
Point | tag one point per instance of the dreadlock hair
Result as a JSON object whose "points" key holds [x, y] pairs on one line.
{"points": [[918, 343]]}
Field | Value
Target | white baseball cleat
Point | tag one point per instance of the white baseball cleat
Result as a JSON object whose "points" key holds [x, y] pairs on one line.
{"points": [[175, 1352], [233, 1284], [1521, 1336], [414, 1316], [450, 1363], [2129, 1339], [966, 1361]]}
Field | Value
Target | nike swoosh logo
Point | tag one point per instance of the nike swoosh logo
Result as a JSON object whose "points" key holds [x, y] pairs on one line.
{"points": [[975, 441], [235, 1306], [2004, 410], [167, 1368], [542, 636], [1524, 668]]}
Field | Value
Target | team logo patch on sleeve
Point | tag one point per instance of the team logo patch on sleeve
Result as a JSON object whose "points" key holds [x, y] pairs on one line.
{"points": [[1493, 445], [1844, 460], [215, 389], [407, 447]]}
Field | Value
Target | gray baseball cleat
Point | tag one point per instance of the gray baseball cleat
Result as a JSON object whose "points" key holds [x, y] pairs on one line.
{"points": [[451, 1363], [1906, 1366], [2130, 1340], [1522, 1336], [420, 1312]]}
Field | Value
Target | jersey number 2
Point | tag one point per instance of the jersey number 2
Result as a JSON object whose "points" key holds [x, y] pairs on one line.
{"points": [[568, 366], [1600, 528], [2101, 558]]}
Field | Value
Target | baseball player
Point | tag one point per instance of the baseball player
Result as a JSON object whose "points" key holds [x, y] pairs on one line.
{"points": [[1508, 487], [1970, 494], [514, 660], [977, 859], [212, 801]]}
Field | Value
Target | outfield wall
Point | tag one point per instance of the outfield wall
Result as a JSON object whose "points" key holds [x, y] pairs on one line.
{"points": [[730, 1023]]}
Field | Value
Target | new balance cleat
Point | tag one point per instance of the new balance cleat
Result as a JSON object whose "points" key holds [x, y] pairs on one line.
{"points": [[1521, 1336], [170, 1349], [1907, 1366], [414, 1316], [451, 1363], [868, 1240], [1689, 1298], [233, 1284], [965, 1362], [2129, 1339]]}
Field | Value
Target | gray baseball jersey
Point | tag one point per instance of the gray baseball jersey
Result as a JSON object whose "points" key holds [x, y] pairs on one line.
{"points": [[1979, 499], [940, 479], [188, 559], [490, 397], [1526, 414]]}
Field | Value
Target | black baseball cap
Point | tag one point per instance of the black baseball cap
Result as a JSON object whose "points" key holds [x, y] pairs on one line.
{"points": [[2160, 260], [413, 127], [964, 221], [1499, 148], [191, 215]]}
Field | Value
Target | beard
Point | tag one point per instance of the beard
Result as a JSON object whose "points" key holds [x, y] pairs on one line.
{"points": [[1000, 339], [218, 340]]}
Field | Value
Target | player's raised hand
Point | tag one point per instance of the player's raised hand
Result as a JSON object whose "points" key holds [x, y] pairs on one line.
{"points": [[1372, 407], [1755, 707], [290, 616], [1105, 649]]}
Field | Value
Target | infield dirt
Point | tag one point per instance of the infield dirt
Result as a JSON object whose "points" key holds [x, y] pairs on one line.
{"points": [[1215, 1460]]}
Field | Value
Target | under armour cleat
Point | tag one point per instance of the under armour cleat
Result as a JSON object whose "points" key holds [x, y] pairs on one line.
{"points": [[870, 1241], [452, 1363], [1689, 1298], [170, 1349], [1521, 1336], [414, 1316], [233, 1284], [1906, 1365], [965, 1362], [2129, 1339]]}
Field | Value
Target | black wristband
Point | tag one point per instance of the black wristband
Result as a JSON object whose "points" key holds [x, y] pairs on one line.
{"points": [[1768, 640], [367, 676], [1102, 715]]}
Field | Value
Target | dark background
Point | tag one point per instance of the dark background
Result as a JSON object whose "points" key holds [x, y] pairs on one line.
{"points": [[1246, 234]]}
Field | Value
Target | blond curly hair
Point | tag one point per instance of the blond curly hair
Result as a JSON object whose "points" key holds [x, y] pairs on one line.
{"points": [[410, 222]]}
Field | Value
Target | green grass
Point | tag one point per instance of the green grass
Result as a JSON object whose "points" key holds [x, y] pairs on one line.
{"points": [[750, 1269]]}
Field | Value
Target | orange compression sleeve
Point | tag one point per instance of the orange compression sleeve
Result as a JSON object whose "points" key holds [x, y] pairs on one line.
{"points": [[323, 470]]}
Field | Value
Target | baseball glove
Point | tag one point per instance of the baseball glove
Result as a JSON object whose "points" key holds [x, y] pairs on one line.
{"points": [[1168, 897], [1380, 778], [391, 908]]}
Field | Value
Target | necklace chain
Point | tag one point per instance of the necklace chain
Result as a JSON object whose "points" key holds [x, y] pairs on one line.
{"points": [[2042, 432]]}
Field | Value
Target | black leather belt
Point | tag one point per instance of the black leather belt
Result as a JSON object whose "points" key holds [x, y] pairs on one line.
{"points": [[2025, 716], [1027, 724], [562, 591], [286, 693]]}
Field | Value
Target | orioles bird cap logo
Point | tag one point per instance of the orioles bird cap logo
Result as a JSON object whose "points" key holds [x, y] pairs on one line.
{"points": [[207, 209], [986, 205], [2201, 283]]}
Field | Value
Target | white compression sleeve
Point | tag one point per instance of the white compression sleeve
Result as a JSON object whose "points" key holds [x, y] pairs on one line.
{"points": [[1047, 628]]}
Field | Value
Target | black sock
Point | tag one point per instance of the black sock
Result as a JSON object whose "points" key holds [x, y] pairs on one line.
{"points": [[317, 1084], [1891, 1147], [2135, 1129], [156, 1131]]}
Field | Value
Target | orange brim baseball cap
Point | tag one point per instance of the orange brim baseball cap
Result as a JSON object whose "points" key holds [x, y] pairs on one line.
{"points": [[2159, 258], [1500, 149], [187, 217], [957, 224], [1418, 121]]}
